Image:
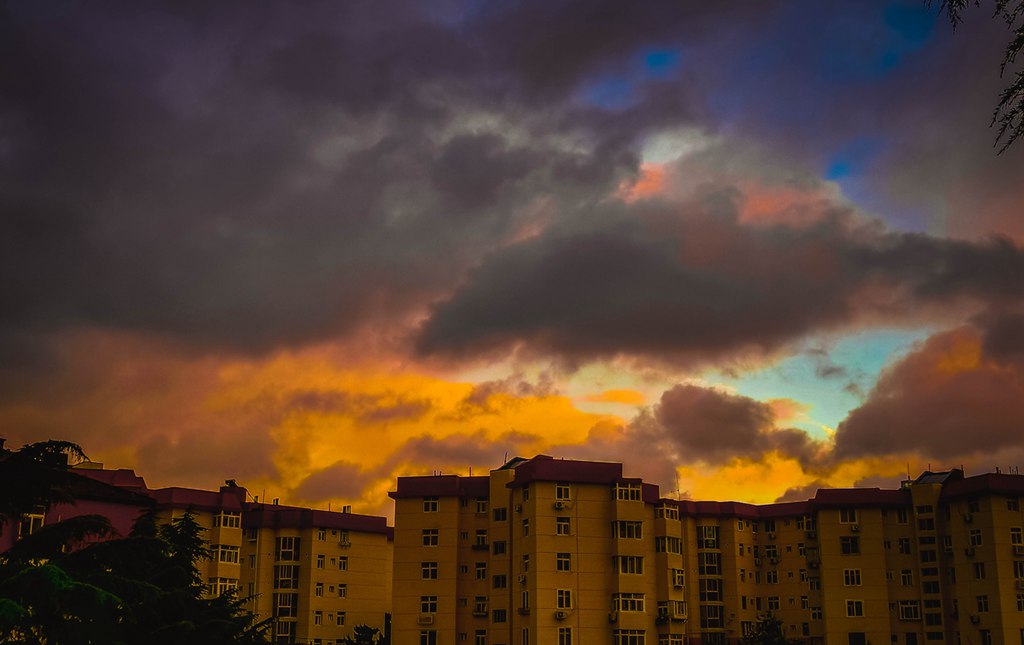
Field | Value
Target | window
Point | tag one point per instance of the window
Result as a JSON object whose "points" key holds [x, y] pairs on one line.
{"points": [[480, 637], [630, 564], [931, 586], [226, 553], [343, 563], [1016, 537], [563, 562], [773, 603], [1018, 569], [481, 538], [526, 493], [771, 577], [628, 602], [711, 617], [906, 577], [973, 506], [629, 637], [428, 637], [499, 616], [526, 527], [929, 555], [562, 526], [707, 537], [709, 564], [430, 504], [816, 613], [341, 618], [286, 576], [342, 591], [1012, 504], [526, 562], [851, 577], [665, 544], [628, 529], [849, 544], [710, 589], [430, 537], [428, 604], [321, 535], [666, 512], [627, 492], [902, 517], [500, 514], [562, 491], [318, 617], [979, 570], [286, 605], [227, 520], [480, 606], [428, 570], [903, 545], [909, 610], [499, 582], [481, 571], [321, 561], [563, 598], [287, 548], [481, 505], [1020, 602], [565, 636], [854, 608], [498, 547], [526, 636], [678, 577], [975, 537], [848, 515], [318, 590], [925, 509], [218, 586], [982, 604]]}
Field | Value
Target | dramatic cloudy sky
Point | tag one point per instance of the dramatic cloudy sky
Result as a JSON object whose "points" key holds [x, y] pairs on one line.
{"points": [[746, 248]]}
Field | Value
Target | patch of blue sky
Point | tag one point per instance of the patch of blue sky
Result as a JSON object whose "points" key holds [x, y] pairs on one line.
{"points": [[861, 356], [611, 93], [853, 158], [661, 63]]}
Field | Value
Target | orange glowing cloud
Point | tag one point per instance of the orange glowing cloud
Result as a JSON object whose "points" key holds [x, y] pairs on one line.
{"points": [[625, 397], [649, 183], [788, 409]]}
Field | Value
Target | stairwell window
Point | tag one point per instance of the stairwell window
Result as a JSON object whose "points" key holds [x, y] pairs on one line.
{"points": [[430, 504]]}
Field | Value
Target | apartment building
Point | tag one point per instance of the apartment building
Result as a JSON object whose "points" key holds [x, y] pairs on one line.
{"points": [[546, 551], [316, 573]]}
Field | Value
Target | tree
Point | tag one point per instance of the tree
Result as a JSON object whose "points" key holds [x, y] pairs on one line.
{"points": [[1008, 115], [365, 635], [767, 631], [59, 586]]}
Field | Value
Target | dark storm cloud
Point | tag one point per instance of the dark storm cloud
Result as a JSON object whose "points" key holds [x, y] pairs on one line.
{"points": [[256, 175], [949, 400], [692, 281], [342, 480]]}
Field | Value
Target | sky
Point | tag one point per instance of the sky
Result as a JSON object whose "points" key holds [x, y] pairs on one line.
{"points": [[747, 249]]}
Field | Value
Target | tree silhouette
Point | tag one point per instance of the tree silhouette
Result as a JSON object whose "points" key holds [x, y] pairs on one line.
{"points": [[57, 586], [1008, 116], [767, 631]]}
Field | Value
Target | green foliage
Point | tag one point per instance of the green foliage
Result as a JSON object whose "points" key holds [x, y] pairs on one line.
{"points": [[767, 631], [144, 588], [366, 635], [1008, 116]]}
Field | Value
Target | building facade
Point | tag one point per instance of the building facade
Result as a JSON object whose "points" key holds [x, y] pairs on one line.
{"points": [[545, 551], [316, 573]]}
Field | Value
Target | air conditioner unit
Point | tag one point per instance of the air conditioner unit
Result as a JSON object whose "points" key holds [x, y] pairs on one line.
{"points": [[561, 614], [522, 578], [975, 619], [969, 551], [855, 528], [559, 505], [518, 508], [968, 518], [426, 619], [613, 616], [771, 536]]}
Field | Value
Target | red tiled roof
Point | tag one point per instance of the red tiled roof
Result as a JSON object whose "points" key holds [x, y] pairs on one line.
{"points": [[441, 486], [546, 469], [293, 517], [989, 483]]}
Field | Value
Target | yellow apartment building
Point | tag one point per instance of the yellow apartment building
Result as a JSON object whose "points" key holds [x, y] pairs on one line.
{"points": [[546, 551], [316, 573]]}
